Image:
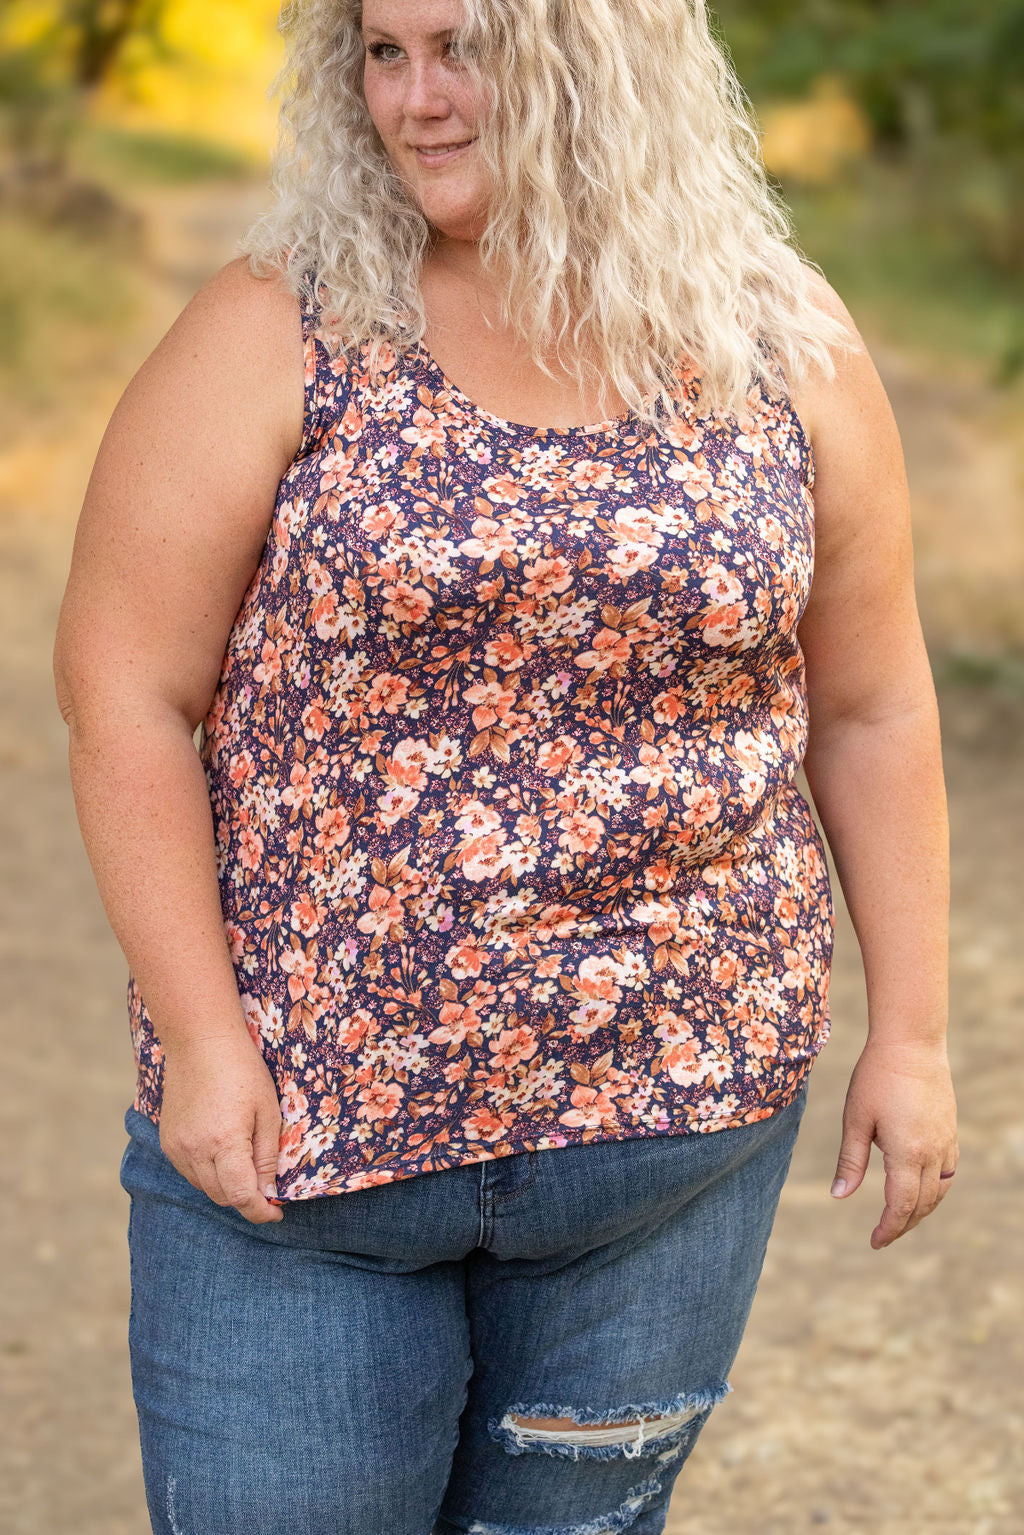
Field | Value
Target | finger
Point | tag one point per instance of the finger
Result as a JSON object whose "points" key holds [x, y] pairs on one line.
{"points": [[928, 1195], [202, 1175], [266, 1142], [208, 1182], [237, 1173], [852, 1162], [902, 1187], [948, 1167]]}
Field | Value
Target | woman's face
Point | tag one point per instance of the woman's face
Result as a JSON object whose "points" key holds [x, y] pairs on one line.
{"points": [[419, 98]]}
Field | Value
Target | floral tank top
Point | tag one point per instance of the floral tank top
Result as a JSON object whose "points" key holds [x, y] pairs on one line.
{"points": [[501, 761]]}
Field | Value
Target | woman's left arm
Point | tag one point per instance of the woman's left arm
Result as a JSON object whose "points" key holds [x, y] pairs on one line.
{"points": [[874, 767]]}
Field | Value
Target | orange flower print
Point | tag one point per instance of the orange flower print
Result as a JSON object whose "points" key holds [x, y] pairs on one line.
{"points": [[268, 668], [325, 613], [305, 917], [760, 1035], [492, 702], [554, 756], [684, 1062], [465, 960], [721, 586], [315, 721], [599, 976], [482, 857], [502, 764], [489, 542], [545, 576], [661, 919], [610, 649], [406, 603], [580, 833], [299, 792], [250, 848], [385, 912], [513, 1046], [485, 1124], [595, 1014], [300, 968], [725, 968], [590, 1109], [702, 806], [456, 1022], [332, 829], [696, 480], [387, 694], [798, 971], [379, 1100]]}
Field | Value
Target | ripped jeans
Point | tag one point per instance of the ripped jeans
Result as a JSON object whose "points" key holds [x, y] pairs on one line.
{"points": [[373, 1363]]}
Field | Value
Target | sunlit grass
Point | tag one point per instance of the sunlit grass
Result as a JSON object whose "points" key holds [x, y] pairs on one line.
{"points": [[916, 278], [118, 154], [63, 300]]}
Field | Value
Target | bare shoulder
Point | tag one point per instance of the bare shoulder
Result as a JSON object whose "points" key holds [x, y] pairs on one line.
{"points": [[860, 631], [850, 423], [237, 343], [181, 497]]}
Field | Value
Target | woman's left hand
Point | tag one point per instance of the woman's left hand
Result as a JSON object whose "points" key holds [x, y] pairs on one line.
{"points": [[901, 1097]]}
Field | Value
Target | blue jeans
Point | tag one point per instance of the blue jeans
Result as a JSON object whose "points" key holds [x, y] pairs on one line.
{"points": [[362, 1366]]}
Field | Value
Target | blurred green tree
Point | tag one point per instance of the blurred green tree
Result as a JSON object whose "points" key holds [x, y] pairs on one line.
{"points": [[941, 81], [96, 31], [49, 74]]}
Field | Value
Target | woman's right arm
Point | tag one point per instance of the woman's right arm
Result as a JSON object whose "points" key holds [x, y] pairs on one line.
{"points": [[175, 518]]}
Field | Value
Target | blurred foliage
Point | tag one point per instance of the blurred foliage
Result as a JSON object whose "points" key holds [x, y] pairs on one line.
{"points": [[930, 222], [192, 68], [924, 288], [53, 57], [895, 129], [941, 83], [60, 297], [123, 155]]}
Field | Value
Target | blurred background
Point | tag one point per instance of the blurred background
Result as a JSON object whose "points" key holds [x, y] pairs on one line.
{"points": [[875, 1393]]}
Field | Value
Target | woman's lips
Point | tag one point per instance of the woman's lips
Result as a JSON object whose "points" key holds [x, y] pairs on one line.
{"points": [[441, 159]]}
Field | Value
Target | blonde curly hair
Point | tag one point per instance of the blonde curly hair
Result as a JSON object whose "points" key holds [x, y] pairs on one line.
{"points": [[634, 206]]}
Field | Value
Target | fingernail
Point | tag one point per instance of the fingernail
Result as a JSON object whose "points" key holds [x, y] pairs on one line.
{"points": [[270, 1193], [838, 1187]]}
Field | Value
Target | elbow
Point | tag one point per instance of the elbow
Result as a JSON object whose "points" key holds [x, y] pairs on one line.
{"points": [[62, 683], [90, 698]]}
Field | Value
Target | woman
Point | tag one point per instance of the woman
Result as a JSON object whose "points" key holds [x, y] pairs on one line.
{"points": [[480, 956]]}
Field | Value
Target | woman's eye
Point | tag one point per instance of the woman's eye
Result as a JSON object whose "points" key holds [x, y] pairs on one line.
{"points": [[457, 50]]}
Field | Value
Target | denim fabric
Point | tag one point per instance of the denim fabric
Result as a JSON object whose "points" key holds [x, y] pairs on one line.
{"points": [[352, 1369]]}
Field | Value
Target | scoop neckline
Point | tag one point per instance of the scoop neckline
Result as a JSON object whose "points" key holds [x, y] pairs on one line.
{"points": [[520, 428]]}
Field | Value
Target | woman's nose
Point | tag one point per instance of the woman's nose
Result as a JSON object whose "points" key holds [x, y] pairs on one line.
{"points": [[425, 93]]}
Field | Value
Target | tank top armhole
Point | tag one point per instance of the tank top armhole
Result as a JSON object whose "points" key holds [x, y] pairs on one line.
{"points": [[808, 467], [313, 365], [781, 403], [327, 381]]}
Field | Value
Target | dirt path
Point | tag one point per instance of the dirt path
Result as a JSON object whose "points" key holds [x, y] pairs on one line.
{"points": [[875, 1393]]}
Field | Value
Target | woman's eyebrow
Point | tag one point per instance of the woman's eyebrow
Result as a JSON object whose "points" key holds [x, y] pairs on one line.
{"points": [[432, 37]]}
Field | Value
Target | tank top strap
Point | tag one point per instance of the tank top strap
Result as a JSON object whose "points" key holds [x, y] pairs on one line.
{"points": [[327, 378]]}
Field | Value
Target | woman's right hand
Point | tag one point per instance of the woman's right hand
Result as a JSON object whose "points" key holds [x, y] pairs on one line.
{"points": [[220, 1122]]}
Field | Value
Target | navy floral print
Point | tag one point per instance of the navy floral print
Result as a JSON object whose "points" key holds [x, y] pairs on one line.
{"points": [[501, 762]]}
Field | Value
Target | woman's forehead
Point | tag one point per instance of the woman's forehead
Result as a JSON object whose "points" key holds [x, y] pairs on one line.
{"points": [[428, 20]]}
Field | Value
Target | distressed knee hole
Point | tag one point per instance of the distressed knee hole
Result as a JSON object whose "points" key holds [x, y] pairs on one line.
{"points": [[634, 1430], [566, 1429]]}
